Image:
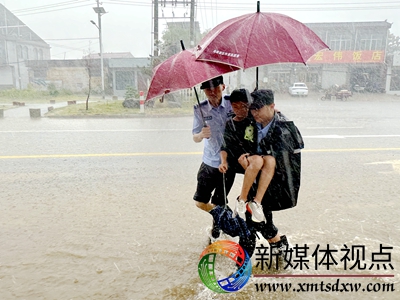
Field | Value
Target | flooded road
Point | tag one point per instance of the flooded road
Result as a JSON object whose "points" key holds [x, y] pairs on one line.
{"points": [[103, 209]]}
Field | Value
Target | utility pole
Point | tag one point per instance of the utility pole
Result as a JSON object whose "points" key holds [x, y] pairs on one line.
{"points": [[192, 23], [156, 18], [155, 32], [100, 11]]}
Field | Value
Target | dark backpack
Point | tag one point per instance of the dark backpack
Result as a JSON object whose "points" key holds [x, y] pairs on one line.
{"points": [[284, 142]]}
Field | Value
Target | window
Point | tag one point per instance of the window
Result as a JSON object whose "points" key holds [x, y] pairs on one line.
{"points": [[19, 51], [376, 42], [123, 79], [371, 42], [340, 43], [25, 53], [364, 44], [3, 55]]}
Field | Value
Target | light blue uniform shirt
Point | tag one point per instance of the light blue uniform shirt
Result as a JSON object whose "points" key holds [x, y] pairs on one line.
{"points": [[262, 133], [215, 118]]}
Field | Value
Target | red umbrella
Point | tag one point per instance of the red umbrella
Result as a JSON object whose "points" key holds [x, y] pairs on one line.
{"points": [[182, 71], [258, 39]]}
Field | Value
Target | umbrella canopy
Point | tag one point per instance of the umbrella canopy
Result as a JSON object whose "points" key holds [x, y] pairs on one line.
{"points": [[182, 71], [258, 39]]}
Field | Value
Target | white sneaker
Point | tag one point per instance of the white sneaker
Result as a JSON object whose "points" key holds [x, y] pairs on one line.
{"points": [[256, 211], [240, 208]]}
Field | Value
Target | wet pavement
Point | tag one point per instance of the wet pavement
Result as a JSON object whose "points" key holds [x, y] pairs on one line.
{"points": [[23, 111], [103, 209]]}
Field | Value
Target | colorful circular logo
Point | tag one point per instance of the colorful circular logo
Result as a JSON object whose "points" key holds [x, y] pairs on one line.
{"points": [[208, 267]]}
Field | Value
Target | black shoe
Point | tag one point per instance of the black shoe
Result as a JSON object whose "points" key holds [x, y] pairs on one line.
{"points": [[233, 226], [248, 243], [215, 231], [280, 246]]}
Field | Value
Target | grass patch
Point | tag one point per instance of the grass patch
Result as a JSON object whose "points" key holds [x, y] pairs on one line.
{"points": [[115, 108], [33, 95], [37, 98]]}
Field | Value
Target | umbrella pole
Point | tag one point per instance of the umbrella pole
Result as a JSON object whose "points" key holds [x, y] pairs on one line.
{"points": [[258, 10], [225, 199], [201, 112], [256, 79]]}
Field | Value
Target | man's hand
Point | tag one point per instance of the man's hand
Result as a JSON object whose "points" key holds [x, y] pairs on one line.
{"points": [[223, 167], [205, 133]]}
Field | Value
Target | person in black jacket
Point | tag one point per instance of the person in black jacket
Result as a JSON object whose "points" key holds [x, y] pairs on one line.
{"points": [[280, 139], [240, 135], [270, 154], [239, 152]]}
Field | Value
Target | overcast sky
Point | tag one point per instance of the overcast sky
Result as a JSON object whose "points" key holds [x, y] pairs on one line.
{"points": [[65, 25]]}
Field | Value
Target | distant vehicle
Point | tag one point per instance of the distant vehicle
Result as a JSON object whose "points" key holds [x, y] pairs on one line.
{"points": [[298, 89], [339, 95]]}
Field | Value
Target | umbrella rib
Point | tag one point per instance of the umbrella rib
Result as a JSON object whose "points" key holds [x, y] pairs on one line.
{"points": [[294, 42], [250, 38], [297, 48]]}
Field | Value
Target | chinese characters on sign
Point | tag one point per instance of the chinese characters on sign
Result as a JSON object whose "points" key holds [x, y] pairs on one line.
{"points": [[297, 257], [337, 57]]}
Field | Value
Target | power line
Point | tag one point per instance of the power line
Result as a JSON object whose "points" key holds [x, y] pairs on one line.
{"points": [[46, 11], [292, 8], [68, 47], [214, 7], [274, 4], [306, 4], [46, 6], [277, 6], [129, 2], [72, 39], [246, 7], [72, 49]]}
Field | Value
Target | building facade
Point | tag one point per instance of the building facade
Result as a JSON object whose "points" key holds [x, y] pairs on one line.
{"points": [[74, 74], [357, 59], [18, 44]]}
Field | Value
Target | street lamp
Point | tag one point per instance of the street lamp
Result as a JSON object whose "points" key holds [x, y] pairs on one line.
{"points": [[100, 11]]}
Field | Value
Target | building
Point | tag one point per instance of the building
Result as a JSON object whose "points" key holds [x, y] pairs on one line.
{"points": [[120, 72], [357, 59], [18, 44], [128, 72]]}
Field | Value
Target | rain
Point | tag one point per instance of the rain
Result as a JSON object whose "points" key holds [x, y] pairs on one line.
{"points": [[99, 163]]}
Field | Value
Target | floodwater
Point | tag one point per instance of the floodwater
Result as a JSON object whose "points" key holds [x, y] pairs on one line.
{"points": [[102, 209]]}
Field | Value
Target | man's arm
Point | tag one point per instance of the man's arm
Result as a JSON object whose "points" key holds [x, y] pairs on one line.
{"points": [[199, 131], [205, 133], [223, 167]]}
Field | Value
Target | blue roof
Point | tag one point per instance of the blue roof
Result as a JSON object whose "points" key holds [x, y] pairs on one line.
{"points": [[137, 62]]}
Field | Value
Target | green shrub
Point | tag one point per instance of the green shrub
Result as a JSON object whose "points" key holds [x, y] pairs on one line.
{"points": [[131, 93], [28, 93], [51, 88]]}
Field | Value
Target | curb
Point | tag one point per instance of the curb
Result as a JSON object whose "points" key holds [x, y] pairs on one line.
{"points": [[116, 116]]}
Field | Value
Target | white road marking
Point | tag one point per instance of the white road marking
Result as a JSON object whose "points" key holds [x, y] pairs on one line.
{"points": [[89, 130], [335, 136], [395, 164], [330, 136], [338, 127], [84, 155], [324, 136]]}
